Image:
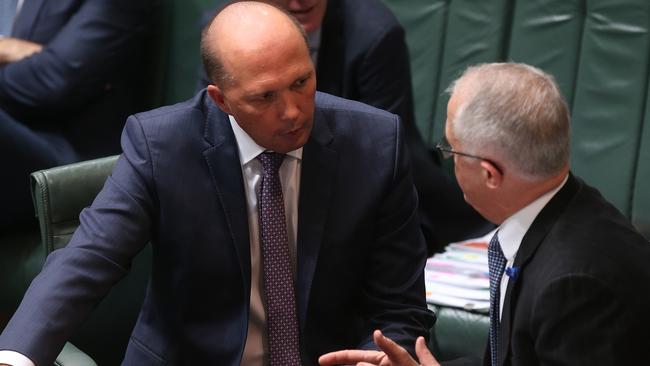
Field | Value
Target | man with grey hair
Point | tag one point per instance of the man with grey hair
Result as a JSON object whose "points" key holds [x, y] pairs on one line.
{"points": [[565, 265]]}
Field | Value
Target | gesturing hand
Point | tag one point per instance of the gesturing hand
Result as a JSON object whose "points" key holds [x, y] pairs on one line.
{"points": [[391, 354]]}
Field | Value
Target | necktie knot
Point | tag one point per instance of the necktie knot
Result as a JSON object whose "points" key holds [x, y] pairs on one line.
{"points": [[271, 162], [495, 254]]}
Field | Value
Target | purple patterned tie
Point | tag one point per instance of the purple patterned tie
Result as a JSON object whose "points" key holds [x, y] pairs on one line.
{"points": [[281, 316]]}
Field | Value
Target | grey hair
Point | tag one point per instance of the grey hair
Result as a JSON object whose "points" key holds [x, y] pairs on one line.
{"points": [[210, 57], [517, 112]]}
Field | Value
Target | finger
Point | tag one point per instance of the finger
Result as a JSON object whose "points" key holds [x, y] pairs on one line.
{"points": [[350, 357], [423, 353], [394, 351]]}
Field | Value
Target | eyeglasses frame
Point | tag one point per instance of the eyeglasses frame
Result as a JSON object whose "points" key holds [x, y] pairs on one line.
{"points": [[447, 152]]}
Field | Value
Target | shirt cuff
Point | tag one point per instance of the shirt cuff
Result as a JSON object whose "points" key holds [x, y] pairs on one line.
{"points": [[15, 359]]}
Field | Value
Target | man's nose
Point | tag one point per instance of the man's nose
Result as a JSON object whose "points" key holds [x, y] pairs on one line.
{"points": [[289, 108]]}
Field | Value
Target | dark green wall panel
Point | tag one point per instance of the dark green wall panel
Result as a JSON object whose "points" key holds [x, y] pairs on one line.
{"points": [[476, 32], [610, 96], [598, 51], [548, 34], [425, 24]]}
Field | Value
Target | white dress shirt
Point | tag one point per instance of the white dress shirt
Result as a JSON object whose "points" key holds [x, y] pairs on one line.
{"points": [[255, 350], [511, 232]]}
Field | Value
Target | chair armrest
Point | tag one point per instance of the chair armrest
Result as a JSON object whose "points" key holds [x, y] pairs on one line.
{"points": [[458, 333], [73, 356]]}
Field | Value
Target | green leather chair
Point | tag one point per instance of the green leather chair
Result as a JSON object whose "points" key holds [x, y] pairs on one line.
{"points": [[59, 196]]}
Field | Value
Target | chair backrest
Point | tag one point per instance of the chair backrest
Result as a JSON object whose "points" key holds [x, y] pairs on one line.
{"points": [[59, 196], [598, 51]]}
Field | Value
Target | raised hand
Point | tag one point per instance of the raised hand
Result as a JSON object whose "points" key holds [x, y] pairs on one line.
{"points": [[391, 354]]}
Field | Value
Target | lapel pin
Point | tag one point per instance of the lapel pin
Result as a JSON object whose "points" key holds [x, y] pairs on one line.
{"points": [[512, 272]]}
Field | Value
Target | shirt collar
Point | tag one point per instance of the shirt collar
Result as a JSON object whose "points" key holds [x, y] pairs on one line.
{"points": [[512, 230], [248, 148]]}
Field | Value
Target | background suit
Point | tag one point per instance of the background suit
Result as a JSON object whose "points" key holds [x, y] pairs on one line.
{"points": [[363, 56], [69, 102], [578, 299], [179, 185]]}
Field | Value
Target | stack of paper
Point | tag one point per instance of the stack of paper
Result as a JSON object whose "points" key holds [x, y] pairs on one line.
{"points": [[459, 277]]}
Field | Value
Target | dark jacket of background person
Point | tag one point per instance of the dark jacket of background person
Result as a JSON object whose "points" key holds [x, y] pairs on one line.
{"points": [[77, 91], [363, 56]]}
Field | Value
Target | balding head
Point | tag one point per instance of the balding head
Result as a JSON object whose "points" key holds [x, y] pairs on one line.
{"points": [[243, 29], [515, 111]]}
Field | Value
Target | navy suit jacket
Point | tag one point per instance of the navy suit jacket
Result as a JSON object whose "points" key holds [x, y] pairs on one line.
{"points": [[89, 76], [581, 295], [179, 185]]}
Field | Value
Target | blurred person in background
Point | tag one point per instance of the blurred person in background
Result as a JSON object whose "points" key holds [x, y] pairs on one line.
{"points": [[71, 71]]}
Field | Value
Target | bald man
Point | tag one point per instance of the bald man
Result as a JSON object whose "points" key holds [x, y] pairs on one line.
{"points": [[332, 227]]}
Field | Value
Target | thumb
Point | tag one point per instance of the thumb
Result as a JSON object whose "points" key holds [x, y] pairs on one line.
{"points": [[395, 353], [424, 355]]}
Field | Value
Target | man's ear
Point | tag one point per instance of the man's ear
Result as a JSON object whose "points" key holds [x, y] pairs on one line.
{"points": [[216, 94], [492, 175]]}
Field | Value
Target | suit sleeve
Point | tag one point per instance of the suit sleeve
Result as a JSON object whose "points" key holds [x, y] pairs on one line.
{"points": [[75, 278], [394, 288], [578, 320], [79, 62]]}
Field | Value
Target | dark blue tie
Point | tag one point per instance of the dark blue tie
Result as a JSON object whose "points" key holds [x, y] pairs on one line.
{"points": [[496, 264], [7, 14], [279, 291]]}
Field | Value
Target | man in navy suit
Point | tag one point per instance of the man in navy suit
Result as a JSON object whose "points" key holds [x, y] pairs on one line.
{"points": [[188, 181], [70, 73], [576, 291]]}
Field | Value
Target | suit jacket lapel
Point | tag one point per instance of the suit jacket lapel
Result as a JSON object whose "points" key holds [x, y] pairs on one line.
{"points": [[330, 71], [222, 158], [318, 168], [26, 20], [529, 244]]}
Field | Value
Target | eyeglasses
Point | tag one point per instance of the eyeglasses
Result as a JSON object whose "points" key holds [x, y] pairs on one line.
{"points": [[447, 152]]}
